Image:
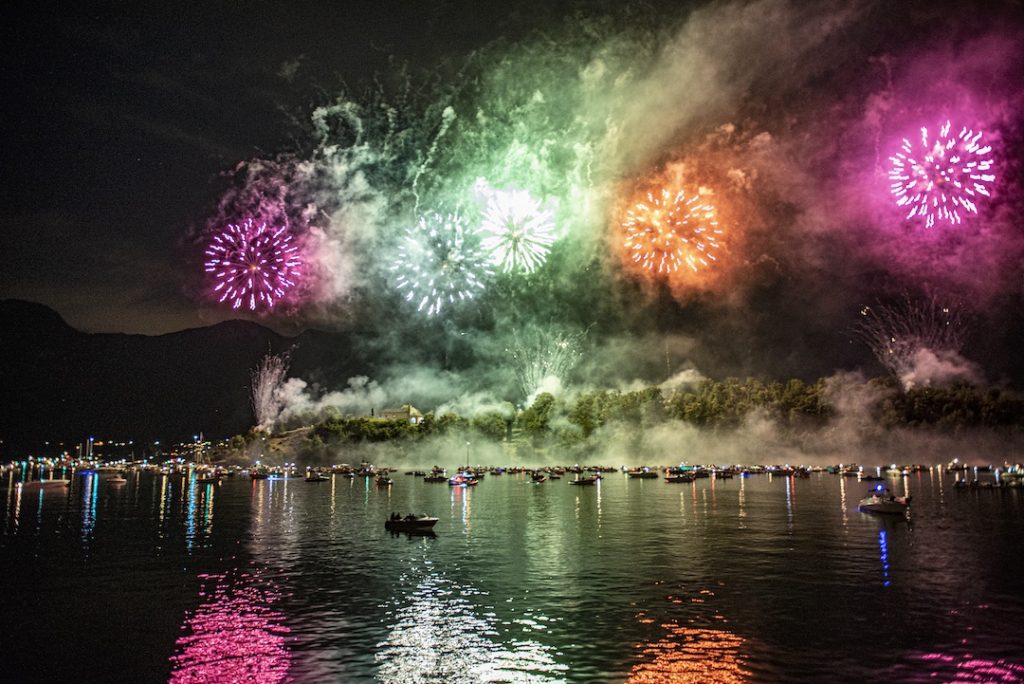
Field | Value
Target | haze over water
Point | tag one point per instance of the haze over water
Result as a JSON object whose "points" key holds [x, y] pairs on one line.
{"points": [[750, 579]]}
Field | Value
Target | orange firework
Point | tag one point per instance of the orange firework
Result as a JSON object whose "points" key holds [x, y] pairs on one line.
{"points": [[667, 231]]}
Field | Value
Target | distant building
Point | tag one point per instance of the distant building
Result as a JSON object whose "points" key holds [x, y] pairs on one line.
{"points": [[407, 412]]}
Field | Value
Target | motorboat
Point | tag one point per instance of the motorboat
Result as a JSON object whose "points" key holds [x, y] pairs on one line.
{"points": [[462, 480], [117, 481], [313, 476], [410, 523], [680, 478], [643, 473], [585, 480], [384, 481], [538, 478], [880, 500]]}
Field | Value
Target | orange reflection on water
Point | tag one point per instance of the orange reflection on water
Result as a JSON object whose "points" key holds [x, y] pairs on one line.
{"points": [[234, 636], [689, 654]]}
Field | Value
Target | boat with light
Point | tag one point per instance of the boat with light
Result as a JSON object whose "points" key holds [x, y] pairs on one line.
{"points": [[880, 500], [643, 473]]}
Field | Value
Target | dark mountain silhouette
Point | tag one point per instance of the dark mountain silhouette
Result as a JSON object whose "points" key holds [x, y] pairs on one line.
{"points": [[58, 384]]}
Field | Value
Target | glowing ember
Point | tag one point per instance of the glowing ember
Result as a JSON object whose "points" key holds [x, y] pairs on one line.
{"points": [[253, 265], [667, 232], [941, 179]]}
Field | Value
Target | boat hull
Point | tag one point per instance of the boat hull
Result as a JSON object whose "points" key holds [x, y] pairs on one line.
{"points": [[896, 505], [419, 525]]}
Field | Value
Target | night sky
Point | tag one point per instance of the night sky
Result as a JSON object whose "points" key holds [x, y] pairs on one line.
{"points": [[134, 131]]}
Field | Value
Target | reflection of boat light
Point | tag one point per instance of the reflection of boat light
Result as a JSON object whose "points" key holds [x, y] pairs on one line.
{"points": [[691, 655], [45, 485], [235, 636], [434, 633]]}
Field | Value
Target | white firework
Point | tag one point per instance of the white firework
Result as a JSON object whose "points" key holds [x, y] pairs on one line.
{"points": [[517, 232], [439, 263]]}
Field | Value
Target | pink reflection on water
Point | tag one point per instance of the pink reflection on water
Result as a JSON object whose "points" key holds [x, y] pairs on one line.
{"points": [[234, 635], [967, 668]]}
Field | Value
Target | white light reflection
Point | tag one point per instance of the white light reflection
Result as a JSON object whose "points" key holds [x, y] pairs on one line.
{"points": [[89, 505], [743, 502], [842, 500], [789, 503], [438, 637]]}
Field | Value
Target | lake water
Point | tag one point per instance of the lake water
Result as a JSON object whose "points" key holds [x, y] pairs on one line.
{"points": [[749, 579]]}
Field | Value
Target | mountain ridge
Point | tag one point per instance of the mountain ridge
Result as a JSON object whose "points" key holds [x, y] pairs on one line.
{"points": [[59, 384]]}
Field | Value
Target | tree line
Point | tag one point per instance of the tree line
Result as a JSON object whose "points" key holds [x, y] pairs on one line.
{"points": [[794, 406]]}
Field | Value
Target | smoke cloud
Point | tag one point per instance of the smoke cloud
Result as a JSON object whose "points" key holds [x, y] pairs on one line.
{"points": [[785, 113]]}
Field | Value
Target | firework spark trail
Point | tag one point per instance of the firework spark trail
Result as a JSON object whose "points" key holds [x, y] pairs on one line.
{"points": [[516, 231], [895, 334], [439, 263], [447, 116], [253, 264], [942, 178], [537, 355], [667, 232], [266, 381]]}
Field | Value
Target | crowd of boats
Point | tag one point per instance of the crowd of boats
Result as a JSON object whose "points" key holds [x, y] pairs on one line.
{"points": [[52, 474]]}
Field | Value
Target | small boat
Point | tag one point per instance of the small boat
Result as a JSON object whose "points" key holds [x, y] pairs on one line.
{"points": [[585, 480], [45, 485], [208, 478], [117, 481], [643, 473], [383, 481], [258, 475], [316, 477], [680, 478], [881, 500], [538, 478], [410, 523]]}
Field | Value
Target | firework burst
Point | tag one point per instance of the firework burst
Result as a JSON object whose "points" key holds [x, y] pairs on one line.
{"points": [[538, 354], [667, 232], [267, 379], [516, 231], [253, 265], [941, 179], [896, 333], [439, 263]]}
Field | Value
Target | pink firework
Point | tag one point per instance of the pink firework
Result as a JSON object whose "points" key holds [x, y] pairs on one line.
{"points": [[941, 179], [253, 264]]}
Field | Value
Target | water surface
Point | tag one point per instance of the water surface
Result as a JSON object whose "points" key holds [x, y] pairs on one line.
{"points": [[750, 579]]}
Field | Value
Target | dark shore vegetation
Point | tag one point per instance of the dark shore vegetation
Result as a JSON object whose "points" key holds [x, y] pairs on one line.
{"points": [[795, 407]]}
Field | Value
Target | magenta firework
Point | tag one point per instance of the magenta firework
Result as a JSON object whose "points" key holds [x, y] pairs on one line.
{"points": [[253, 265], [940, 179]]}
